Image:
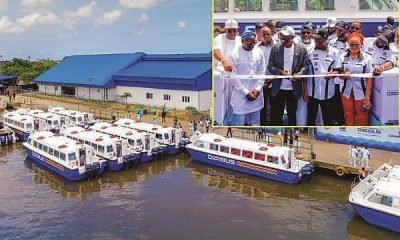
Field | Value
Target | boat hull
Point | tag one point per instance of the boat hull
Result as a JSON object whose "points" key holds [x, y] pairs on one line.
{"points": [[377, 218], [249, 168], [22, 136], [113, 165], [72, 175], [172, 149], [145, 157]]}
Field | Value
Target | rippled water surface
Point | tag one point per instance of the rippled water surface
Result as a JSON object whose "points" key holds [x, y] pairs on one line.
{"points": [[173, 198]]}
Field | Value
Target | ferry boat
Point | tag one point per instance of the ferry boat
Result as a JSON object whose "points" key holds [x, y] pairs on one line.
{"points": [[115, 151], [7, 136], [377, 197], [20, 124], [138, 140], [296, 12], [66, 157], [45, 120], [164, 135], [263, 160], [74, 117]]}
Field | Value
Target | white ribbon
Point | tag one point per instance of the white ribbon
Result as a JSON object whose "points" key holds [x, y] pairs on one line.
{"points": [[228, 75]]}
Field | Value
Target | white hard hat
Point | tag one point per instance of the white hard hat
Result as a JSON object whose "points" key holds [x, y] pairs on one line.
{"points": [[231, 23]]}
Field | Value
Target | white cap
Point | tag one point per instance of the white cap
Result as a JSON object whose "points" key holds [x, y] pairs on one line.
{"points": [[288, 31], [230, 23], [330, 22]]}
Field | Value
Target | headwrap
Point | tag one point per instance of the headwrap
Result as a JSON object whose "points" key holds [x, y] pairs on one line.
{"points": [[357, 35]]}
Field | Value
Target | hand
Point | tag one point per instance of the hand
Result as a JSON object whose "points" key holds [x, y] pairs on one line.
{"points": [[255, 93], [305, 96], [227, 66], [377, 70], [294, 77], [267, 82], [367, 103], [284, 72], [345, 77], [327, 77], [250, 96]]}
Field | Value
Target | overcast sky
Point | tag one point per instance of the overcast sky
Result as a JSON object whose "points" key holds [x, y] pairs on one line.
{"points": [[57, 28]]}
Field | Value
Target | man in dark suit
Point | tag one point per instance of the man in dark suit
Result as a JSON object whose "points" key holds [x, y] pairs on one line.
{"points": [[288, 59]]}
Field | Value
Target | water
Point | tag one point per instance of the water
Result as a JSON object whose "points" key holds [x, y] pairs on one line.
{"points": [[173, 199]]}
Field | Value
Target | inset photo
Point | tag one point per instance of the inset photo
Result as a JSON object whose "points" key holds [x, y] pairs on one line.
{"points": [[305, 63]]}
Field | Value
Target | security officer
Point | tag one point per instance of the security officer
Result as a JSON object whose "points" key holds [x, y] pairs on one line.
{"points": [[330, 26], [324, 59], [378, 31], [382, 56], [305, 40], [340, 43], [247, 97]]}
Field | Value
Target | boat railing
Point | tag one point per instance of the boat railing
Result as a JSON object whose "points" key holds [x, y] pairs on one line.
{"points": [[361, 187]]}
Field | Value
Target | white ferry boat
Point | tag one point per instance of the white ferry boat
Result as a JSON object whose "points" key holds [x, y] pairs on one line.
{"points": [[267, 161], [74, 117], [20, 124], [50, 122], [64, 156], [297, 12], [138, 140], [115, 151], [164, 135], [377, 198], [7, 136]]}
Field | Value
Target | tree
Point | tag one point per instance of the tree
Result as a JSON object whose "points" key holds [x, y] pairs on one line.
{"points": [[125, 96]]}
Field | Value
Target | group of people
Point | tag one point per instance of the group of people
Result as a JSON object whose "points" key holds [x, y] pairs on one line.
{"points": [[359, 156], [275, 49]]}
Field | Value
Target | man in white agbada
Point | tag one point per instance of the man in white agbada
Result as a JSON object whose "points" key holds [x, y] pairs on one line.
{"points": [[224, 44], [247, 97]]}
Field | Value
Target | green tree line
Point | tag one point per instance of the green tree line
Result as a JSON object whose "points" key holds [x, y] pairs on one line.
{"points": [[26, 70]]}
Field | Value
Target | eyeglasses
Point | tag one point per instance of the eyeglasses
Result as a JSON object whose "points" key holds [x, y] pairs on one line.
{"points": [[286, 38], [355, 28], [304, 33], [354, 45], [231, 30]]}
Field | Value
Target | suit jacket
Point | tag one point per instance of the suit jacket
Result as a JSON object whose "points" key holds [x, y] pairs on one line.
{"points": [[300, 66]]}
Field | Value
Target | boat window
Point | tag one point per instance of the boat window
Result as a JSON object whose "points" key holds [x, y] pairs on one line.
{"points": [[139, 142], [29, 141], [248, 5], [320, 5], [199, 144], [158, 136], [110, 148], [73, 119], [62, 156], [40, 146], [235, 151], [375, 198], [51, 151], [224, 149], [259, 156], [79, 119], [94, 145], [131, 142], [283, 5], [34, 143], [273, 159], [48, 122], [220, 5], [45, 148], [101, 149], [72, 156], [29, 126], [87, 142], [55, 122], [214, 146], [247, 154], [377, 5], [56, 154], [386, 200]]}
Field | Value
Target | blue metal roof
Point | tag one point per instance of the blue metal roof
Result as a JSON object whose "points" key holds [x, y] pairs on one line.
{"points": [[7, 77], [85, 70], [170, 71]]}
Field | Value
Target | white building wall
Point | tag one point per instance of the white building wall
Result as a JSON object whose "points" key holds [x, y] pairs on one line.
{"points": [[199, 99], [94, 93]]}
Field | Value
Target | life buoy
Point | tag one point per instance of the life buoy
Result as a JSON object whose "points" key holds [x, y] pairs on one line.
{"points": [[270, 145], [99, 139], [103, 127], [217, 140], [263, 149], [114, 125], [40, 138], [139, 131], [62, 146], [78, 143], [154, 129], [340, 171], [129, 134], [127, 123], [74, 132]]}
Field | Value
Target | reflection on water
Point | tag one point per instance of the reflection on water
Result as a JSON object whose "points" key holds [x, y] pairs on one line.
{"points": [[173, 198]]}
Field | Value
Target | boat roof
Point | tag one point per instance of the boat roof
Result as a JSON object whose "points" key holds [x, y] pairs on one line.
{"points": [[117, 130], [129, 123], [18, 117], [89, 135], [46, 115], [55, 141], [242, 144]]}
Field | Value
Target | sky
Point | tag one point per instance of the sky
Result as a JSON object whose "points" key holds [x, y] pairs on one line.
{"points": [[52, 29]]}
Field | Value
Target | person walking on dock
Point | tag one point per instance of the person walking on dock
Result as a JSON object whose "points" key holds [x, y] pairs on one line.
{"points": [[229, 132], [365, 157], [350, 153], [354, 156]]}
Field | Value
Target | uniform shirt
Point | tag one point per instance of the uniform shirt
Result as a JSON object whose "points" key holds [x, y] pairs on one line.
{"points": [[341, 47], [247, 62], [330, 37], [364, 153], [381, 55], [309, 46], [395, 51], [288, 54], [361, 64], [322, 61], [226, 47]]}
